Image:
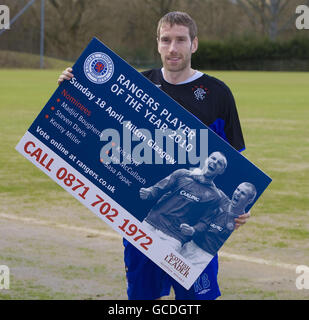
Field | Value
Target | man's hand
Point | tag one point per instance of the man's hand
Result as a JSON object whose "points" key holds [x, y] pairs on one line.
{"points": [[186, 229], [65, 75], [144, 193], [242, 219]]}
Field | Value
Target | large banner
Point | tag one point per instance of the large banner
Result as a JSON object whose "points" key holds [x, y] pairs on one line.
{"points": [[142, 163]]}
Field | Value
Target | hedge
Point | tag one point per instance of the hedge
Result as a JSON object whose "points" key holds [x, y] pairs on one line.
{"points": [[253, 54]]}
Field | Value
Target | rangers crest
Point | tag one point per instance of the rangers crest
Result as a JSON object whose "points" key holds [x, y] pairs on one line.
{"points": [[98, 67], [200, 92]]}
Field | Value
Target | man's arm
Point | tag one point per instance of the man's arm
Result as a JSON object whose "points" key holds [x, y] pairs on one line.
{"points": [[188, 230], [161, 187], [200, 226]]}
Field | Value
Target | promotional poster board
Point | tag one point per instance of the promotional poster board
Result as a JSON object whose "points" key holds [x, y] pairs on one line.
{"points": [[138, 160]]}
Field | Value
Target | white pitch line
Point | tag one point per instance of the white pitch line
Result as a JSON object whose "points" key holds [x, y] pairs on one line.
{"points": [[117, 236], [257, 260], [59, 225]]}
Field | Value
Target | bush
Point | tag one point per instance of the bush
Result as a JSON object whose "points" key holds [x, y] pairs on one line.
{"points": [[253, 54]]}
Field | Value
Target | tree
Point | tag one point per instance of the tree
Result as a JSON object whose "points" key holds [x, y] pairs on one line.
{"points": [[272, 16]]}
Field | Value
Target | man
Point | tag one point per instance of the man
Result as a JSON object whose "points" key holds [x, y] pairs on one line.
{"points": [[210, 233], [212, 102], [183, 197]]}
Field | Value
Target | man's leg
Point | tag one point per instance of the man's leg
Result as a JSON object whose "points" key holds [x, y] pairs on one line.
{"points": [[145, 280], [204, 288]]}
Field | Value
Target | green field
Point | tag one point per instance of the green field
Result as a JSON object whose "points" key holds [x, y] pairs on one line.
{"points": [[274, 112], [22, 60]]}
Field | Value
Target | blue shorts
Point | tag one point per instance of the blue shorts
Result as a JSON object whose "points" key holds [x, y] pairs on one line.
{"points": [[147, 281]]}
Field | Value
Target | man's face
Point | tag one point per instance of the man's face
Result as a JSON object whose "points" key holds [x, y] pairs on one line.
{"points": [[241, 196], [175, 47], [214, 164]]}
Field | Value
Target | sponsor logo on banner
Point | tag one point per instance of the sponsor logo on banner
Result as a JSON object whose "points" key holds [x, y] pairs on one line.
{"points": [[214, 226], [99, 67], [189, 196]]}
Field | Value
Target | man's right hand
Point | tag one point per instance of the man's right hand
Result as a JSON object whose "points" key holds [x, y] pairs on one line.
{"points": [[144, 193], [186, 229], [65, 75]]}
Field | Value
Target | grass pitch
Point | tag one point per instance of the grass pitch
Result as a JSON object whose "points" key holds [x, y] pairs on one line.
{"points": [[274, 113]]}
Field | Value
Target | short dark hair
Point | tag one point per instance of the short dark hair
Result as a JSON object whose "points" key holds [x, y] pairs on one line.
{"points": [[179, 18], [253, 191]]}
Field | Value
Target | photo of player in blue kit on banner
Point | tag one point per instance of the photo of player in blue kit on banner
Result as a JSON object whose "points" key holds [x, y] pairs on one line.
{"points": [[214, 228], [183, 197], [192, 214]]}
